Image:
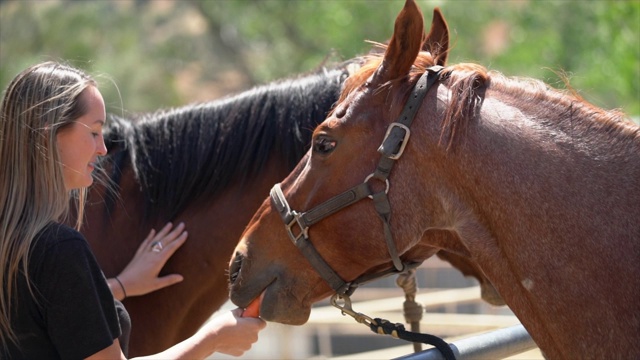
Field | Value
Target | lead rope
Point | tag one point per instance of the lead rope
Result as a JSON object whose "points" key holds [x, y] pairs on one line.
{"points": [[398, 331], [411, 308], [385, 327]]}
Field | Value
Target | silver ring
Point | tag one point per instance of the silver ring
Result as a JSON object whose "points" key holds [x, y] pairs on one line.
{"points": [[156, 246], [386, 181]]}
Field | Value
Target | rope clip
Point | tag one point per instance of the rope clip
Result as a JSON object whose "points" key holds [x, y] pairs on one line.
{"points": [[346, 309]]}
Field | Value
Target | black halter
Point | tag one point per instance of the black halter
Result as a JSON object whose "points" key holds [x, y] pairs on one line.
{"points": [[391, 149]]}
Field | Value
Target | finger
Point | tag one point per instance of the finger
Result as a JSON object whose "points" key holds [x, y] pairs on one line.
{"points": [[167, 280], [144, 245], [150, 237], [162, 233], [163, 256], [172, 235], [175, 233], [237, 312], [174, 245]]}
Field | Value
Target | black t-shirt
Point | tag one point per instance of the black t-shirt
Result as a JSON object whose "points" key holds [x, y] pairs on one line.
{"points": [[74, 314]]}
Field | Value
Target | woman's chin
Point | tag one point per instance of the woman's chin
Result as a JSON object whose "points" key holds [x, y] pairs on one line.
{"points": [[88, 181], [79, 183]]}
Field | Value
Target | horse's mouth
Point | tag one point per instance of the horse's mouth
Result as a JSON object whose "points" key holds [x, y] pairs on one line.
{"points": [[269, 287], [243, 293]]}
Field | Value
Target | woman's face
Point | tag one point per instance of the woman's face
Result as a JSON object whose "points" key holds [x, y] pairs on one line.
{"points": [[81, 142]]}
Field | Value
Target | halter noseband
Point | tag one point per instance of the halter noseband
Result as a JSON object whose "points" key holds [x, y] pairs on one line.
{"points": [[391, 149]]}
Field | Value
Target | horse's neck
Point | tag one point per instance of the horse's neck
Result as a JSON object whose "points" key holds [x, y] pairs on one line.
{"points": [[545, 213], [532, 163], [546, 192]]}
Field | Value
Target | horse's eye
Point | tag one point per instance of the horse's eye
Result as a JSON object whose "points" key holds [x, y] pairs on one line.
{"points": [[323, 145]]}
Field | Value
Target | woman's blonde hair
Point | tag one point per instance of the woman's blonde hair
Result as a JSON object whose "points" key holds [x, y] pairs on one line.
{"points": [[38, 102]]}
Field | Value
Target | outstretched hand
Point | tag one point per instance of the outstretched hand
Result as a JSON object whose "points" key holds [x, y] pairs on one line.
{"points": [[228, 333], [140, 276], [231, 333]]}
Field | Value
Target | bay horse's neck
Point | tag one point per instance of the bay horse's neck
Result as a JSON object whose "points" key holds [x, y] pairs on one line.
{"points": [[542, 196]]}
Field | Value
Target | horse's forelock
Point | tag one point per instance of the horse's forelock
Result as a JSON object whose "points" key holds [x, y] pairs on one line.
{"points": [[360, 76], [373, 60]]}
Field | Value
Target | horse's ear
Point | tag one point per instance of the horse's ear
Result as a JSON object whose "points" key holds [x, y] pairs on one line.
{"points": [[404, 45], [437, 41]]}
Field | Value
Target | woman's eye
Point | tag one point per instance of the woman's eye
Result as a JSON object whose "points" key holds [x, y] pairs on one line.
{"points": [[323, 145]]}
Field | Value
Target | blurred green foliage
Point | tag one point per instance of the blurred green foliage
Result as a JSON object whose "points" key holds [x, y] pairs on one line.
{"points": [[162, 53]]}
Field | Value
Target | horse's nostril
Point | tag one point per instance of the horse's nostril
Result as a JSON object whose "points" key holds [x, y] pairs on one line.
{"points": [[234, 270]]}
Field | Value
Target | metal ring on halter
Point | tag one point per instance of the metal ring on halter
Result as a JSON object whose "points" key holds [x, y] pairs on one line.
{"points": [[156, 246], [386, 190]]}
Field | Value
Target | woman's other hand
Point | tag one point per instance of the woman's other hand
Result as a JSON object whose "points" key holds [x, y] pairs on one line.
{"points": [[140, 276]]}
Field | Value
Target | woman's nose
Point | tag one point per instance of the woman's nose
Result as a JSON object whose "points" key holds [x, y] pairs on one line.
{"points": [[102, 148]]}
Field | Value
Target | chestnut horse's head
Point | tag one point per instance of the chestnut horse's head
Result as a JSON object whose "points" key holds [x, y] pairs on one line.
{"points": [[349, 216]]}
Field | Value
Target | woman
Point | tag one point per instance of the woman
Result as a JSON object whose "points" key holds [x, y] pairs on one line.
{"points": [[55, 301]]}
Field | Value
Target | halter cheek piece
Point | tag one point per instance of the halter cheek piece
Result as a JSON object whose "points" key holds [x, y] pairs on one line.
{"points": [[297, 224]]}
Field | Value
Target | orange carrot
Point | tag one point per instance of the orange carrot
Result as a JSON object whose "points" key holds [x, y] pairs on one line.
{"points": [[253, 310]]}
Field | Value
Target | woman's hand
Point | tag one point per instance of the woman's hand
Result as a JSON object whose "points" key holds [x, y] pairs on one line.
{"points": [[232, 334], [227, 333], [140, 276]]}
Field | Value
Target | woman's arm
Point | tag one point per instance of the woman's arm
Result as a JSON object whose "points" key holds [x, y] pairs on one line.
{"points": [[228, 333], [112, 352], [117, 289]]}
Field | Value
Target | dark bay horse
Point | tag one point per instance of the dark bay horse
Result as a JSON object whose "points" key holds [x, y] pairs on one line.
{"points": [[535, 186], [209, 165]]}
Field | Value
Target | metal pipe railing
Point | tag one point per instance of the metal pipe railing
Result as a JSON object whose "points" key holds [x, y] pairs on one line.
{"points": [[497, 344]]}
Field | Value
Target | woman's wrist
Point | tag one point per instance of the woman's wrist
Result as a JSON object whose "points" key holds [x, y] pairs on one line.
{"points": [[124, 292], [117, 288]]}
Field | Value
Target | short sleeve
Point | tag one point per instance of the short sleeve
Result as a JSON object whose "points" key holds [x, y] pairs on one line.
{"points": [[80, 313]]}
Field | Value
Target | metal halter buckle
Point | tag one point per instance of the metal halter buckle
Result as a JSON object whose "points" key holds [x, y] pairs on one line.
{"points": [[405, 139], [304, 230]]}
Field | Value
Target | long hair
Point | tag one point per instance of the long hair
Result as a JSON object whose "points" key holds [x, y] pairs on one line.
{"points": [[39, 102]]}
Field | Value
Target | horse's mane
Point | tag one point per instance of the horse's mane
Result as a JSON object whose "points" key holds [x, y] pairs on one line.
{"points": [[562, 109], [193, 152], [468, 82]]}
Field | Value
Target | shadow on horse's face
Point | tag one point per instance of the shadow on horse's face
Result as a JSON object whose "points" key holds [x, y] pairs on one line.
{"points": [[351, 240]]}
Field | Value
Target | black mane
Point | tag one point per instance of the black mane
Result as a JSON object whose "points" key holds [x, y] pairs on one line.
{"points": [[194, 152]]}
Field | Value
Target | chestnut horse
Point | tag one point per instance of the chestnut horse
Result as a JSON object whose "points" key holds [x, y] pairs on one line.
{"points": [[537, 187]]}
